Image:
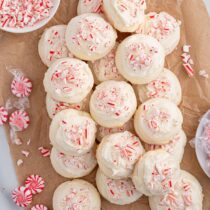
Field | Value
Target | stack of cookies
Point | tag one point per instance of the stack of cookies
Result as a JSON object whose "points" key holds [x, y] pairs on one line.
{"points": [[118, 93]]}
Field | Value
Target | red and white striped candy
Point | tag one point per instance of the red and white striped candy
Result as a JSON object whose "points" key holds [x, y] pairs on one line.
{"points": [[22, 196], [21, 86], [19, 120], [44, 151], [39, 207], [189, 69], [35, 184], [3, 115]]}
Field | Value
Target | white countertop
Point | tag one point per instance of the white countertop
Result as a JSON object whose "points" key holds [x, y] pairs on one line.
{"points": [[8, 179]]}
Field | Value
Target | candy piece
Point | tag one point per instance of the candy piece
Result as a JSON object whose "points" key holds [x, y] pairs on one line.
{"points": [[21, 86], [18, 141], [3, 115], [35, 183], [19, 120], [44, 151], [19, 162], [22, 196], [186, 48], [28, 142], [39, 207], [189, 69], [204, 74], [25, 153]]}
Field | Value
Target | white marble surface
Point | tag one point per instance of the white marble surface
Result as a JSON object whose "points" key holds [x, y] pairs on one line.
{"points": [[8, 179]]}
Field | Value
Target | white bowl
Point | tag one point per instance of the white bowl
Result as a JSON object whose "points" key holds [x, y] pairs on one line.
{"points": [[37, 25]]}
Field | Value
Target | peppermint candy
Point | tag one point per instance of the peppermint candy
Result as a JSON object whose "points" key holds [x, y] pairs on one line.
{"points": [[3, 115], [39, 207], [22, 196], [35, 184], [19, 120], [21, 86], [44, 151]]}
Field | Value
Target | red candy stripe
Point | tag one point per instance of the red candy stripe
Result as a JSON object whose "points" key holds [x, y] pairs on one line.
{"points": [[35, 183], [39, 207], [44, 151], [22, 196], [3, 115], [21, 86], [19, 120]]}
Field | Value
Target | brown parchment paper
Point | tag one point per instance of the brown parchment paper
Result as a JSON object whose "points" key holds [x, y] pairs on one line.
{"points": [[20, 50]]}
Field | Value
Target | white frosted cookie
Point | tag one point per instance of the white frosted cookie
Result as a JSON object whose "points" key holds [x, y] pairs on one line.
{"points": [[175, 147], [157, 121], [164, 27], [140, 58], [117, 191], [76, 195], [53, 106], [125, 16], [52, 45], [103, 131], [117, 154], [89, 37], [69, 80], [186, 194], [113, 103], [71, 166], [90, 6], [154, 172], [105, 68], [166, 85], [72, 132]]}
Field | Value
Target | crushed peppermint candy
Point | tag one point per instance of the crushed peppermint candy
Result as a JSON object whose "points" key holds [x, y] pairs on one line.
{"points": [[25, 153], [28, 142], [18, 141], [39, 207], [19, 120], [186, 48], [22, 196], [19, 162], [3, 115], [35, 184], [45, 152], [203, 73], [24, 13]]}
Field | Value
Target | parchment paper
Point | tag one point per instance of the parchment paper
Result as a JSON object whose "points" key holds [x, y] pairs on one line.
{"points": [[21, 51]]}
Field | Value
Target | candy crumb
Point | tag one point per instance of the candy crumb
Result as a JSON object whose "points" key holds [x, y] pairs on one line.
{"points": [[25, 153], [203, 73], [19, 162]]}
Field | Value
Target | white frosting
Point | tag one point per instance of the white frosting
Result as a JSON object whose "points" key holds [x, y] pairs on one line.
{"points": [[118, 153], [76, 195], [113, 103], [117, 191], [105, 68], [175, 147], [69, 80], [103, 131], [90, 37], [53, 106], [163, 27], [155, 172], [90, 6], [140, 58], [185, 194], [71, 166], [52, 45], [72, 132], [157, 121], [166, 85], [125, 15]]}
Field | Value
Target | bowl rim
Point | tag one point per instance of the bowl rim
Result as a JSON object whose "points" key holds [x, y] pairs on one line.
{"points": [[38, 25]]}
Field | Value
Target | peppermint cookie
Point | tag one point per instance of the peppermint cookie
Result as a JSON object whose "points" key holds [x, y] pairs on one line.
{"points": [[90, 6], [89, 37], [118, 153], [52, 45], [53, 106], [117, 191], [71, 166], [166, 85], [73, 132], [157, 121], [185, 194], [125, 16], [69, 80], [175, 147], [154, 173], [76, 194], [140, 59], [163, 27], [103, 131], [105, 68], [113, 103]]}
